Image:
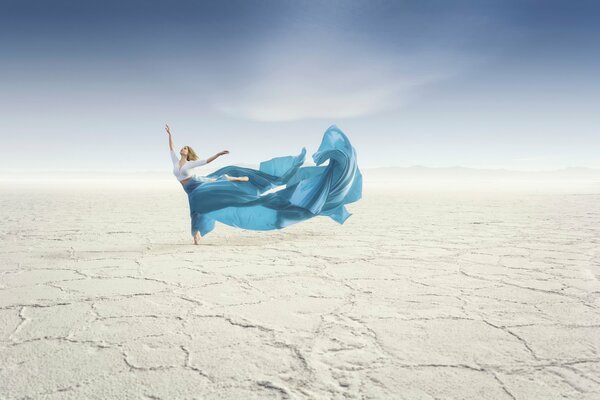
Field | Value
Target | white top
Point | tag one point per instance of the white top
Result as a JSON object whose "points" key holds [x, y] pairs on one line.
{"points": [[185, 171]]}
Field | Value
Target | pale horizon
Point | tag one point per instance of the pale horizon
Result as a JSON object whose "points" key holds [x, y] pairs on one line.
{"points": [[206, 170], [412, 179]]}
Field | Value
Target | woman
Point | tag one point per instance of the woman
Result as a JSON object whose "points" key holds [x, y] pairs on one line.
{"points": [[189, 160], [237, 196]]}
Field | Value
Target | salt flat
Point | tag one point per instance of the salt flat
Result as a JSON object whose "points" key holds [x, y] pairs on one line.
{"points": [[419, 295]]}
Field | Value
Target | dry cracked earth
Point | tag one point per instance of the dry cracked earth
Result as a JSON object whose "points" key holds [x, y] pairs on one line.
{"points": [[416, 296]]}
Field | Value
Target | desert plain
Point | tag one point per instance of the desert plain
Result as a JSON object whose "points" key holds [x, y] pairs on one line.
{"points": [[442, 291]]}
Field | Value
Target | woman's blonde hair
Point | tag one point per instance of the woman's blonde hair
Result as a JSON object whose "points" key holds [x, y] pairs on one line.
{"points": [[191, 156]]}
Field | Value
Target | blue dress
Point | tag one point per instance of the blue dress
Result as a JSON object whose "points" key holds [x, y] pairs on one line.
{"points": [[309, 191]]}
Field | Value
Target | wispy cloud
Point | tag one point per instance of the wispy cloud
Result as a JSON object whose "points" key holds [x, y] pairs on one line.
{"points": [[291, 81], [325, 88]]}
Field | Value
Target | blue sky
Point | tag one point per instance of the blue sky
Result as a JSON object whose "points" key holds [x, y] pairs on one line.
{"points": [[492, 84]]}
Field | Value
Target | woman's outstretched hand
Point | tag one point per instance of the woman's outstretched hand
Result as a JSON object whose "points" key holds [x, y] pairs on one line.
{"points": [[168, 129], [219, 154]]}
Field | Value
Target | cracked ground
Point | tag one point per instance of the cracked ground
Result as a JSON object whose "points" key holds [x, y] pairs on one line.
{"points": [[416, 296]]}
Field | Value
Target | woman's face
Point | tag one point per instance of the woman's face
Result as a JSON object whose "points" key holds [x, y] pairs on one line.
{"points": [[184, 151]]}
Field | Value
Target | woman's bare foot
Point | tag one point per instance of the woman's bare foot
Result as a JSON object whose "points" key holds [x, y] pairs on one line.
{"points": [[197, 238], [237, 178]]}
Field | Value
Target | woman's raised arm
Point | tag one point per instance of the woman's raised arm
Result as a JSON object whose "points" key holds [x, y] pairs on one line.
{"points": [[170, 137], [174, 158]]}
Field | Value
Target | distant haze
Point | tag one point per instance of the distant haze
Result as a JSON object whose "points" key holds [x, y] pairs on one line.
{"points": [[481, 84], [375, 180]]}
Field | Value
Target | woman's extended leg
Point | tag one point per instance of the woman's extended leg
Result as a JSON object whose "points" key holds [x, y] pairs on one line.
{"points": [[237, 178], [197, 237]]}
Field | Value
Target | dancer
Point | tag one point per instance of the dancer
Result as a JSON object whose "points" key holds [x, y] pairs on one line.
{"points": [[240, 197], [189, 160]]}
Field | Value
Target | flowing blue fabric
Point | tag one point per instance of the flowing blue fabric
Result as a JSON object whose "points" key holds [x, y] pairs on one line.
{"points": [[307, 192]]}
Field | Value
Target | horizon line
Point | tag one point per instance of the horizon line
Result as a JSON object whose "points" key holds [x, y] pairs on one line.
{"points": [[415, 166]]}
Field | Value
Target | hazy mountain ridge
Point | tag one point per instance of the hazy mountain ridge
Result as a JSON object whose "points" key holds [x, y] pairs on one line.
{"points": [[464, 172]]}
